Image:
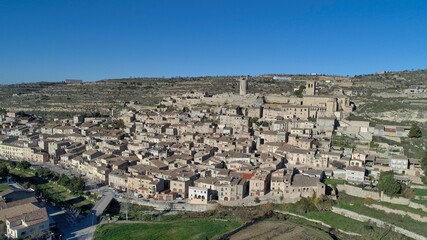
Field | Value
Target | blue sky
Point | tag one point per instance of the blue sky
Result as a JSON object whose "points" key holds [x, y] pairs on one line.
{"points": [[93, 40]]}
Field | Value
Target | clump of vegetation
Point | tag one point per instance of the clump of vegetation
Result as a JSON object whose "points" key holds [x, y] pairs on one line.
{"points": [[314, 204], [338, 164], [407, 192], [373, 145], [423, 163], [74, 184], [388, 184], [299, 92], [23, 165], [255, 120], [415, 131], [4, 171], [312, 119]]}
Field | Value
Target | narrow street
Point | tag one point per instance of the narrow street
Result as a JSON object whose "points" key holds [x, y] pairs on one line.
{"points": [[85, 229]]}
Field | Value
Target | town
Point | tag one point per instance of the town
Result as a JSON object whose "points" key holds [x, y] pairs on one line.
{"points": [[195, 151]]}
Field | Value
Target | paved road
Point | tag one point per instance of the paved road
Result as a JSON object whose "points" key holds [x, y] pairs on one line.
{"points": [[86, 228]]}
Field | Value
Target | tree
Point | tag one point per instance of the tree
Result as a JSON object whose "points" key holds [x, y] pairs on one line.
{"points": [[338, 164], [255, 120], [305, 205], [299, 92], [4, 171], [257, 200], [388, 184], [64, 180], [77, 185], [312, 119], [415, 131], [23, 165], [424, 162]]}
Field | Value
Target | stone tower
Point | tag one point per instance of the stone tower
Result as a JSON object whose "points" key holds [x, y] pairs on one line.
{"points": [[310, 88], [331, 107], [243, 85]]}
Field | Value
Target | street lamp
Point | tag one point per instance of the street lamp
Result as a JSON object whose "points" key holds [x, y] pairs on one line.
{"points": [[93, 218]]}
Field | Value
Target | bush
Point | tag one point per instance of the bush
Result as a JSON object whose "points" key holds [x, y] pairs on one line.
{"points": [[368, 200], [323, 203], [257, 200], [407, 192]]}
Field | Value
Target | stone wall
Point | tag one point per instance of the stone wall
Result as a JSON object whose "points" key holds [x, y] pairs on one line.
{"points": [[318, 222], [359, 192], [229, 234], [414, 216], [162, 206], [250, 201], [379, 223]]}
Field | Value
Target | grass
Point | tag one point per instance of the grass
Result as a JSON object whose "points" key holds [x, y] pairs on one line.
{"points": [[56, 192], [4, 186], [420, 192], [343, 141], [183, 229], [403, 208], [424, 202], [334, 182]]}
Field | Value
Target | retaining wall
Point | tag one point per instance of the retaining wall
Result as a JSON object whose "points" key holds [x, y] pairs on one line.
{"points": [[379, 223]]}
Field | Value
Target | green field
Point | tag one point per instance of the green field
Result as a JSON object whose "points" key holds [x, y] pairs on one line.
{"points": [[3, 187], [182, 229]]}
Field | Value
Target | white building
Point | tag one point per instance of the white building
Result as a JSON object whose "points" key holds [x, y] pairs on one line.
{"points": [[355, 174], [399, 164], [197, 195]]}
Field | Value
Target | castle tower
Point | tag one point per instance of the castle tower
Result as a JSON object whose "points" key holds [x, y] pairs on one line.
{"points": [[243, 85], [331, 107], [310, 88]]}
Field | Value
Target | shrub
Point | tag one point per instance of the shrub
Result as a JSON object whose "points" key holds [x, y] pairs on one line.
{"points": [[323, 203], [407, 192], [368, 200]]}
